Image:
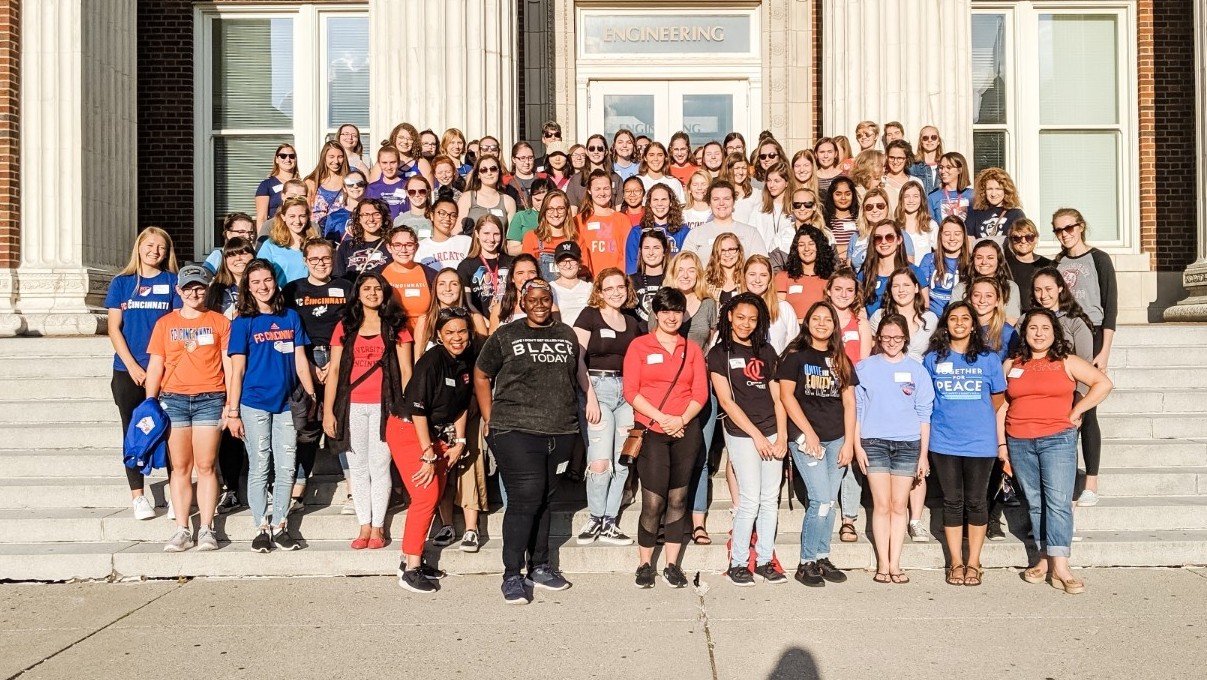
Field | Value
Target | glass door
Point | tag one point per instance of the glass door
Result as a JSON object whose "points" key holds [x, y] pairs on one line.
{"points": [[638, 106], [706, 109]]}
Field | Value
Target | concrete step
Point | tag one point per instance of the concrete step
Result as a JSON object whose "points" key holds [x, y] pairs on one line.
{"points": [[14, 369], [1154, 401], [1134, 453], [1186, 481], [1158, 356], [125, 560], [59, 388], [1151, 426], [1162, 334], [94, 462], [75, 410], [75, 492], [1157, 513], [1178, 378], [84, 345], [59, 435]]}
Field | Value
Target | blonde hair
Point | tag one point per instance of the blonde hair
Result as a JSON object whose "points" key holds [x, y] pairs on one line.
{"points": [[770, 297], [279, 233], [866, 227], [714, 274], [1009, 191], [866, 164], [132, 266], [866, 124], [993, 330], [701, 288]]}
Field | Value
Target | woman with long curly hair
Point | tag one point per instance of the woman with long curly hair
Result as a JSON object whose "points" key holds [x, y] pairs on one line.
{"points": [[811, 261], [995, 206], [662, 212]]}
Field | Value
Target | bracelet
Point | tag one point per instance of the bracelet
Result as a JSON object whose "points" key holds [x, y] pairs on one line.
{"points": [[1001, 445], [429, 461], [459, 440]]}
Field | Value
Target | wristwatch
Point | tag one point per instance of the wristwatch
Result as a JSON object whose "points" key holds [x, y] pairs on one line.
{"points": [[459, 440]]}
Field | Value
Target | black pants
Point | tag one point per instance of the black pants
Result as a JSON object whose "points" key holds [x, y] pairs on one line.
{"points": [[232, 462], [965, 482], [529, 465], [1091, 433], [309, 426], [665, 466], [992, 492], [127, 394]]}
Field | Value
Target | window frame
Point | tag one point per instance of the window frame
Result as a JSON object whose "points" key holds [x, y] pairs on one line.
{"points": [[310, 96], [1023, 107]]}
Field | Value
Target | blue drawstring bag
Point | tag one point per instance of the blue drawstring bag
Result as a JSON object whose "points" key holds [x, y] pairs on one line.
{"points": [[146, 444]]}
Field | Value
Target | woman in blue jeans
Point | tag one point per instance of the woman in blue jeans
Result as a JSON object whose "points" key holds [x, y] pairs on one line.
{"points": [[268, 358], [893, 402], [817, 388], [741, 367], [1039, 424], [605, 329]]}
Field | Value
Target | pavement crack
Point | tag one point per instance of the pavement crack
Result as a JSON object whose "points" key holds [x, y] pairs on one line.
{"points": [[712, 656], [105, 627]]}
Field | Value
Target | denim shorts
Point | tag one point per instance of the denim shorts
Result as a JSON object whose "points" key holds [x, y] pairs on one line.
{"points": [[193, 410], [899, 459]]}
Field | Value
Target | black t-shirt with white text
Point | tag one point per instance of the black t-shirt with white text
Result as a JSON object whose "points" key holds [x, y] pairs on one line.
{"points": [[440, 387], [319, 306], [750, 377], [817, 392], [535, 378], [484, 280]]}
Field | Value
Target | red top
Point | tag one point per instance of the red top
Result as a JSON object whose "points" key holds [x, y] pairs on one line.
{"points": [[1040, 395], [649, 368], [801, 293], [367, 351], [850, 339]]}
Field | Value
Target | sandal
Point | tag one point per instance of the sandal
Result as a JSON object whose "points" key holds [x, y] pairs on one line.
{"points": [[899, 577], [1071, 585], [847, 533], [952, 578], [972, 576], [1035, 574], [882, 577], [700, 536]]}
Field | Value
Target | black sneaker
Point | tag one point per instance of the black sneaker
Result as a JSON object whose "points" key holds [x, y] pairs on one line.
{"points": [[740, 576], [994, 532], [674, 576], [514, 591], [770, 574], [416, 582], [645, 576], [591, 531], [262, 543], [545, 576], [612, 534], [429, 572], [284, 541], [808, 574], [830, 572]]}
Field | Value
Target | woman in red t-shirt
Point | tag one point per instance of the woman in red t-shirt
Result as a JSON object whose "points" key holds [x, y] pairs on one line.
{"points": [[372, 350]]}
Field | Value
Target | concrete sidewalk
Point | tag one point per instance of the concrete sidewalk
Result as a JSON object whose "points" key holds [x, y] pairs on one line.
{"points": [[1130, 624]]}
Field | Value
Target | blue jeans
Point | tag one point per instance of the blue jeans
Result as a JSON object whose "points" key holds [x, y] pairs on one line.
{"points": [[851, 494], [822, 479], [1046, 468], [758, 500], [269, 435], [708, 427], [604, 441]]}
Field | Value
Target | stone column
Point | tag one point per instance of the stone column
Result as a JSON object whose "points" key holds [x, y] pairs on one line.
{"points": [[443, 63], [78, 162], [875, 68], [1194, 279]]}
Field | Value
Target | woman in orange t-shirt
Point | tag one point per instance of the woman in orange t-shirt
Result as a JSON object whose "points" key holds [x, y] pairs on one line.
{"points": [[188, 372], [411, 281], [553, 226], [602, 230]]}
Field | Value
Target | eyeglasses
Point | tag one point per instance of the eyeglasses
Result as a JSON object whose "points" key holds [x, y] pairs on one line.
{"points": [[885, 238], [731, 250], [1022, 238], [493, 168], [416, 192], [865, 135], [896, 159], [1066, 229], [548, 134], [193, 291], [409, 245], [802, 205], [319, 260], [875, 206], [445, 214], [355, 183], [369, 216], [597, 148], [245, 233], [523, 158], [287, 156], [930, 138], [768, 156], [886, 339], [633, 192], [555, 208]]}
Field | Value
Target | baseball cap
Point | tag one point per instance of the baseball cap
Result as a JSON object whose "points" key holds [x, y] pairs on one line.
{"points": [[191, 274], [556, 147], [567, 249]]}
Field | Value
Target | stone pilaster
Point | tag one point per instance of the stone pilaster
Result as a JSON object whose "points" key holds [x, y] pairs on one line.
{"points": [[876, 66], [443, 63], [1194, 279], [78, 162]]}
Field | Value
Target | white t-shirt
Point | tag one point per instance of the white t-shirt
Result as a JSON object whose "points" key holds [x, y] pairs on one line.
{"points": [[924, 243], [700, 239], [785, 327], [776, 227], [671, 183], [571, 301], [696, 218], [443, 254]]}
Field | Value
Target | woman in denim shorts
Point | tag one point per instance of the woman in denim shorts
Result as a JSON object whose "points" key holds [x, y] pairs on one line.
{"points": [[187, 371], [893, 402]]}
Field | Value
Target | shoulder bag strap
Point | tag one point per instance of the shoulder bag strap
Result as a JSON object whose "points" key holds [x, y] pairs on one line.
{"points": [[675, 379]]}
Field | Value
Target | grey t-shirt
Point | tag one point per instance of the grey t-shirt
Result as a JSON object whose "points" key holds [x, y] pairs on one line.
{"points": [[1013, 305], [535, 378], [1081, 278]]}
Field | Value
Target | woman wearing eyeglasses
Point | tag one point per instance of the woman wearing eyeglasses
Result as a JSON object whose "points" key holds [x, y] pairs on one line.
{"points": [[896, 166], [995, 206], [349, 140], [283, 249], [953, 197], [1022, 259], [926, 162], [364, 248], [268, 194], [405, 140], [484, 193], [723, 273], [235, 225], [447, 246]]}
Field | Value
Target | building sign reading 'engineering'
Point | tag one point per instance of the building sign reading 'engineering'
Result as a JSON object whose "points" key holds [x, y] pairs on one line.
{"points": [[665, 34]]}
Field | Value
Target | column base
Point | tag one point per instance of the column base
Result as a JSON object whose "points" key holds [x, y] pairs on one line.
{"points": [[1194, 307], [53, 301]]}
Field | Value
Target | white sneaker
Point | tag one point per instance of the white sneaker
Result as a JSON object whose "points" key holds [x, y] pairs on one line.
{"points": [[180, 541], [171, 511], [349, 508], [1088, 499], [206, 540], [918, 532], [142, 508]]}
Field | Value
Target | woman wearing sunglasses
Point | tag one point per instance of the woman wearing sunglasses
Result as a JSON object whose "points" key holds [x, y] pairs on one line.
{"points": [[268, 194], [419, 207], [484, 193], [926, 162], [336, 227], [1022, 259]]}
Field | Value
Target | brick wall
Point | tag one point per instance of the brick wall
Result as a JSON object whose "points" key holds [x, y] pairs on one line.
{"points": [[165, 119], [10, 133], [1167, 132]]}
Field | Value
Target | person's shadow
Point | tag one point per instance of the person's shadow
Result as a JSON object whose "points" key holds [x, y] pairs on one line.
{"points": [[795, 664]]}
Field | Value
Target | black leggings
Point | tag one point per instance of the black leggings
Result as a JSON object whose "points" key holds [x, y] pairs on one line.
{"points": [[965, 482], [127, 394], [665, 466], [529, 465], [1091, 433], [232, 461]]}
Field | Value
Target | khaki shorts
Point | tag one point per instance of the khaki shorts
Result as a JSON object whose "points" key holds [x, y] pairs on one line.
{"points": [[467, 481]]}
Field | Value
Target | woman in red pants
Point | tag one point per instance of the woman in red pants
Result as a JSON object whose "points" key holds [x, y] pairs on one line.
{"points": [[430, 437]]}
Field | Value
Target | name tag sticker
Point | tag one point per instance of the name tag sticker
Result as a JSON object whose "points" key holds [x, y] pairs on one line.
{"points": [[902, 377], [159, 289], [284, 346], [593, 226], [795, 290], [205, 338], [1015, 373], [607, 333], [737, 363], [497, 212], [945, 368], [450, 382], [850, 336], [411, 292], [562, 468], [277, 188], [653, 359], [335, 292]]}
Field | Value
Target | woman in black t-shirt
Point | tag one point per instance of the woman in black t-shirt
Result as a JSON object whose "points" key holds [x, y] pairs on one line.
{"points": [[604, 329], [484, 270], [741, 367], [817, 387], [651, 270]]}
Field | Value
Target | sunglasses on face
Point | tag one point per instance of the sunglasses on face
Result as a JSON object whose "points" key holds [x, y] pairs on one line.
{"points": [[597, 148], [493, 168], [1065, 230], [875, 206], [800, 205], [1022, 238], [549, 135], [287, 156], [884, 238], [353, 183], [930, 138], [768, 156], [489, 149], [416, 192]]}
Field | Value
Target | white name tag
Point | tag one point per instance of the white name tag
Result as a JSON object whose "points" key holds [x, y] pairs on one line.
{"points": [[1015, 373], [284, 346], [411, 292], [737, 363], [607, 333], [902, 377], [945, 368], [562, 468], [497, 212], [159, 289], [335, 292], [653, 359], [794, 290], [850, 336], [205, 337], [450, 382], [593, 226], [277, 188]]}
